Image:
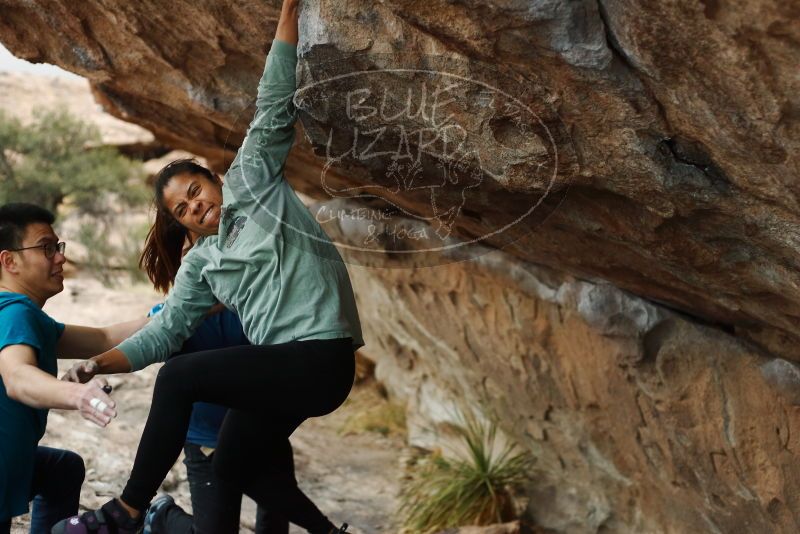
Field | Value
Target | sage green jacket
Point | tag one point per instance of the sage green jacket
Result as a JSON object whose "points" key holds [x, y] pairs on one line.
{"points": [[271, 262]]}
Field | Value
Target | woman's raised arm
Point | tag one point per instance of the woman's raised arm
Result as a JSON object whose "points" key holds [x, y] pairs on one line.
{"points": [[287, 24], [258, 166]]}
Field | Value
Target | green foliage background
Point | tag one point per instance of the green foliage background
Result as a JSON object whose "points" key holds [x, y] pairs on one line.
{"points": [[58, 156], [58, 160]]}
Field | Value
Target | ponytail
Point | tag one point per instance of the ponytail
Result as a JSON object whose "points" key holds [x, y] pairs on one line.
{"points": [[161, 256], [163, 248]]}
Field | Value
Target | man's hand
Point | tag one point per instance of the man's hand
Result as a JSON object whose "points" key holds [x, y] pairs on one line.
{"points": [[94, 404], [82, 372]]}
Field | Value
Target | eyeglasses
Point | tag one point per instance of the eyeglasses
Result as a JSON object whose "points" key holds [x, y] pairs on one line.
{"points": [[50, 249]]}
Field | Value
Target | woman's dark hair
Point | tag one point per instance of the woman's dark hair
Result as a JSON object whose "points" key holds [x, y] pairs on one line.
{"points": [[163, 246], [14, 220]]}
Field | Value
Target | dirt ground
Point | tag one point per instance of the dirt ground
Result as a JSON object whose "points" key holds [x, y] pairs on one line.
{"points": [[352, 476]]}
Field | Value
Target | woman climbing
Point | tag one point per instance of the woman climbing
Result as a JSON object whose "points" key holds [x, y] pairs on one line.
{"points": [[264, 256], [216, 505]]}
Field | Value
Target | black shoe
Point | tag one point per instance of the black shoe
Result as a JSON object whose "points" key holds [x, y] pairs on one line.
{"points": [[340, 530]]}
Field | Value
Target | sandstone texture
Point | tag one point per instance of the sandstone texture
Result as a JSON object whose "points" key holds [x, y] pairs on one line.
{"points": [[641, 420], [581, 216], [665, 134]]}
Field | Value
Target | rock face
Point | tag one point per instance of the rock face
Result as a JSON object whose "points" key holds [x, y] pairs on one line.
{"points": [[640, 419], [666, 135], [630, 158]]}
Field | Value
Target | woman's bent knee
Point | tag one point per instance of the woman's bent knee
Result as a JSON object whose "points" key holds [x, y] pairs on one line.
{"points": [[174, 372], [77, 467]]}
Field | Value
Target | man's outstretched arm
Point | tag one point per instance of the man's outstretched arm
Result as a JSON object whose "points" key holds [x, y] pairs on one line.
{"points": [[26, 383], [83, 341]]}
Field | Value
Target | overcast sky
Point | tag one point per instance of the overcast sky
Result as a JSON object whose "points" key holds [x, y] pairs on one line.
{"points": [[9, 62]]}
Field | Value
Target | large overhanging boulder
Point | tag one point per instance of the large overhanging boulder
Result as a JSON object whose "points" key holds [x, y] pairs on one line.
{"points": [[652, 145], [657, 142]]}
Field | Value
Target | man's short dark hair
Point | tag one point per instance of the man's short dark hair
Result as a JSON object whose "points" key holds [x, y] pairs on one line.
{"points": [[15, 218]]}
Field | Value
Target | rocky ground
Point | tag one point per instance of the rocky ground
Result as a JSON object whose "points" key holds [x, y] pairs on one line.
{"points": [[351, 473]]}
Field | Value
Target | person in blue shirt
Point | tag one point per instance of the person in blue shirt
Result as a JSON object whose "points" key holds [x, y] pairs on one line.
{"points": [[31, 271]]}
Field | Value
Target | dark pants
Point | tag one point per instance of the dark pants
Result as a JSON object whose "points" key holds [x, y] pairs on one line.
{"points": [[55, 489], [269, 390], [216, 506]]}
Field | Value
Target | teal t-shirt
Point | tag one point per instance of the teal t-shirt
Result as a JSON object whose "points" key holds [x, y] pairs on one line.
{"points": [[22, 322]]}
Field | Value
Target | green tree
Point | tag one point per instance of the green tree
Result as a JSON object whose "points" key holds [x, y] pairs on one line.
{"points": [[58, 157]]}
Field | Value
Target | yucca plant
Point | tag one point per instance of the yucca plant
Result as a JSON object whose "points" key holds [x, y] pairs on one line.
{"points": [[474, 490]]}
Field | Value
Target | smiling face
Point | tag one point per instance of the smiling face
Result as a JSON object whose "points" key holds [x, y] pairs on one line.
{"points": [[30, 270], [195, 202]]}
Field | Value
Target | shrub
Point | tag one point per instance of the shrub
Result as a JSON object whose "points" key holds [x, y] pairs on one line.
{"points": [[107, 260], [57, 157], [475, 490], [57, 160]]}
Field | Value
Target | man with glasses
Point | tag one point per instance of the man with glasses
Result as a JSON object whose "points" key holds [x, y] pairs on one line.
{"points": [[31, 271]]}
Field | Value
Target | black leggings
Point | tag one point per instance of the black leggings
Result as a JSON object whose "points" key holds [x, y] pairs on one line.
{"points": [[270, 390]]}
